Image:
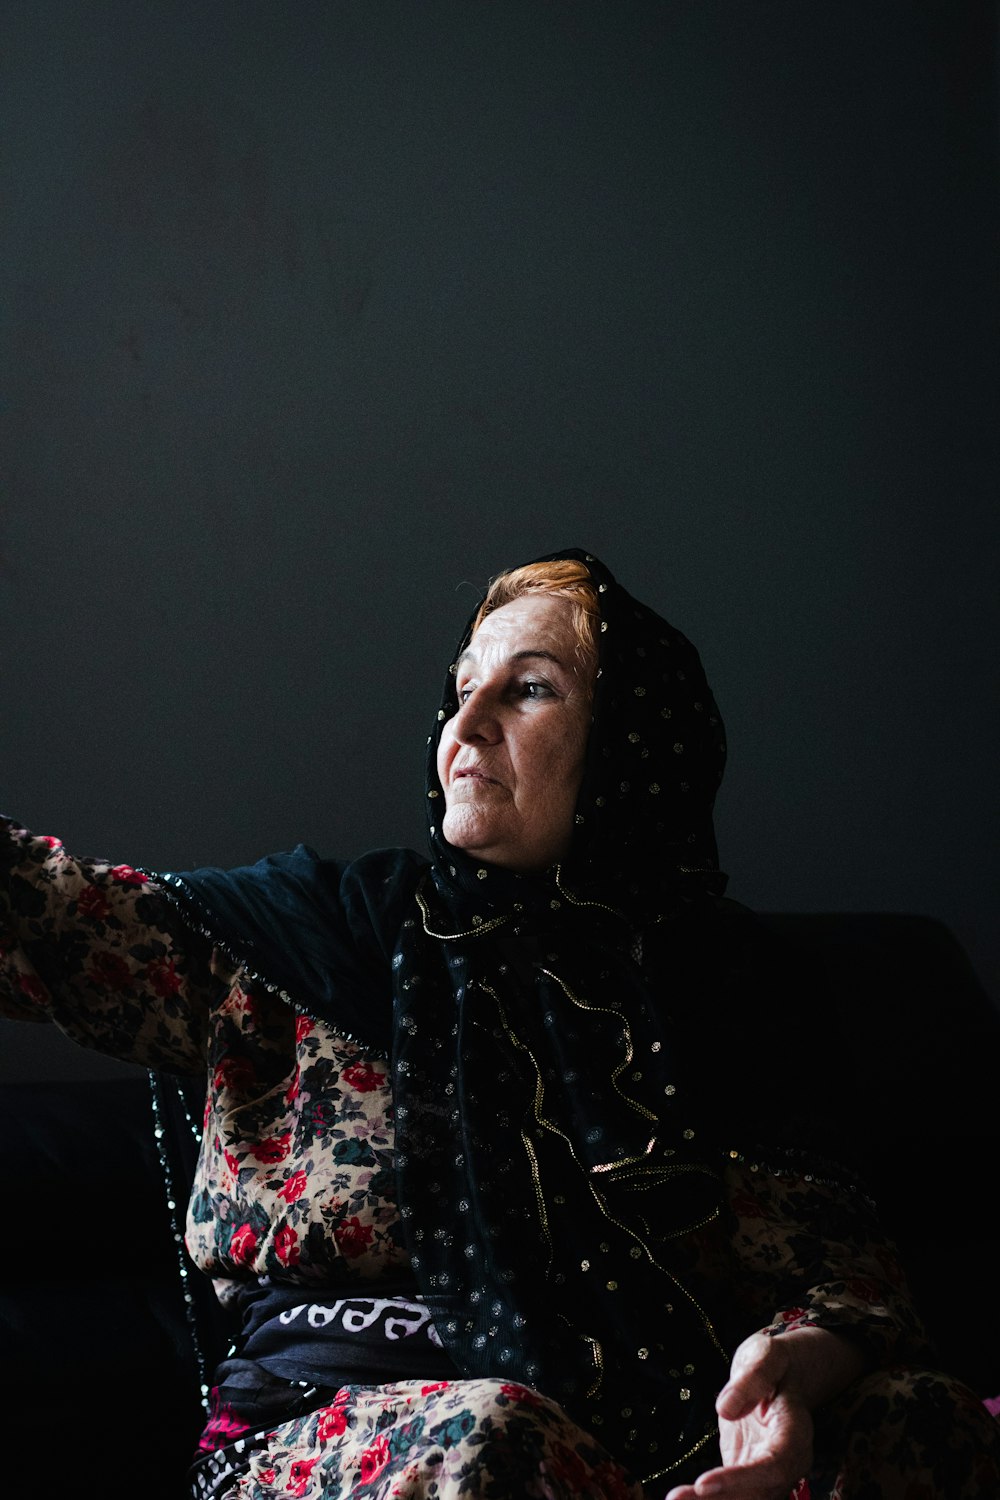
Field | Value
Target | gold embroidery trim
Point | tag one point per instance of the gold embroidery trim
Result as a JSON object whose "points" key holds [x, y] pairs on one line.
{"points": [[625, 1229], [450, 937], [575, 900], [605, 1010], [684, 1456]]}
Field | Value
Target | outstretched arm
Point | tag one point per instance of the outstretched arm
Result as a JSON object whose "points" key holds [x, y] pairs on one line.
{"points": [[100, 950]]}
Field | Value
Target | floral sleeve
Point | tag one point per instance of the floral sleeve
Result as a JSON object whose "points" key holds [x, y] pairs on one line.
{"points": [[103, 952], [809, 1251]]}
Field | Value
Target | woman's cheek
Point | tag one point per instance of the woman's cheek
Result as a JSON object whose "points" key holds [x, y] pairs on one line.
{"points": [[445, 755]]}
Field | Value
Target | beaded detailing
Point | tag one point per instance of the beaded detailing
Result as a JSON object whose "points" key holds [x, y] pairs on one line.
{"points": [[157, 1086], [790, 1161]]}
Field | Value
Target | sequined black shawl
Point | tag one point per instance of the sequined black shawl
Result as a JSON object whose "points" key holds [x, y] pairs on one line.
{"points": [[550, 1148]]}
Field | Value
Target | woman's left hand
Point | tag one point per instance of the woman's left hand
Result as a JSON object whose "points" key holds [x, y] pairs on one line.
{"points": [[765, 1426]]}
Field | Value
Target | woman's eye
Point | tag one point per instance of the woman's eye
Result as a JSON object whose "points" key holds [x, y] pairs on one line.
{"points": [[530, 689]]}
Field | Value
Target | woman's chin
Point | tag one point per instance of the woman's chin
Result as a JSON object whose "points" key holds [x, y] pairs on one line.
{"points": [[468, 829]]}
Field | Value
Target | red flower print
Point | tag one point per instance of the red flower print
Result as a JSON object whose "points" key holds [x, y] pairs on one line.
{"points": [[273, 1147], [303, 1027], [362, 1077], [92, 903], [286, 1246], [374, 1459], [222, 1427], [163, 977], [50, 842], [242, 1245], [293, 1189], [353, 1237], [332, 1422], [867, 1291], [891, 1267], [232, 1162], [233, 1073], [570, 1469], [127, 875], [438, 1385], [792, 1316], [298, 1475], [522, 1393], [266, 1476], [32, 988], [333, 1419], [748, 1207], [109, 972]]}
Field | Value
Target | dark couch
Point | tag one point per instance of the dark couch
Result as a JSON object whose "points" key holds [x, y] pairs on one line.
{"points": [[904, 1047]]}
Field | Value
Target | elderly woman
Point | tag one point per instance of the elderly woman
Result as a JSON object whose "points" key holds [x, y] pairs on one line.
{"points": [[495, 1182]]}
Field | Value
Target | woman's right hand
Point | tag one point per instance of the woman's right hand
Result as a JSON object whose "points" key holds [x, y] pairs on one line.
{"points": [[765, 1412]]}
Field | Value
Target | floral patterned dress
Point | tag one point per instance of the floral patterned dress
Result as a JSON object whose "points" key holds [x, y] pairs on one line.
{"points": [[295, 1183]]}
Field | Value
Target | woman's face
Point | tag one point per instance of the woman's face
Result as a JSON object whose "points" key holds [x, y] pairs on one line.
{"points": [[511, 759]]}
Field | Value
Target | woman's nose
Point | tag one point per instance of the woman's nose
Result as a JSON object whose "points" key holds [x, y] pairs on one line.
{"points": [[477, 720]]}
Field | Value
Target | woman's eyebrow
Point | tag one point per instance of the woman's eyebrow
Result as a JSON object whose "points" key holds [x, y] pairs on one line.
{"points": [[469, 654]]}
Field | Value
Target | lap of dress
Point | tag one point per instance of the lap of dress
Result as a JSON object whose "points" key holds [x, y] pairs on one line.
{"points": [[413, 1440], [899, 1434]]}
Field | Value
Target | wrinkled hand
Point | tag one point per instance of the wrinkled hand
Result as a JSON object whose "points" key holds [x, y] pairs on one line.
{"points": [[765, 1429]]}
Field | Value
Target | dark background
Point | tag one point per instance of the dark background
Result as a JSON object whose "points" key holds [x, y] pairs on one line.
{"points": [[316, 315]]}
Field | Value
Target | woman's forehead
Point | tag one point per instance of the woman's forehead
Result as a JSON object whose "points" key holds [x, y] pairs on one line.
{"points": [[535, 624]]}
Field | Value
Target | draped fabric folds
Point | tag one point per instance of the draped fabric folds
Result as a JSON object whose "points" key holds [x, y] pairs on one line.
{"points": [[548, 1152]]}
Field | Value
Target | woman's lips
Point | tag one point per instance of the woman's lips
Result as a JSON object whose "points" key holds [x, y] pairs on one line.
{"points": [[473, 774]]}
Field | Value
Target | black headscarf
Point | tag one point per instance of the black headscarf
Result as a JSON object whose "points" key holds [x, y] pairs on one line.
{"points": [[548, 1150], [643, 830]]}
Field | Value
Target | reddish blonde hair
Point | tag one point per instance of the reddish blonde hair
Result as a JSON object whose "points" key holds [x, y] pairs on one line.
{"points": [[566, 579]]}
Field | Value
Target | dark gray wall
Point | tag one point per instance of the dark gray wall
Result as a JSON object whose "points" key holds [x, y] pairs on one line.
{"points": [[317, 314]]}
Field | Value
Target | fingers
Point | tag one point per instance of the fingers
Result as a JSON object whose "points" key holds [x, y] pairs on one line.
{"points": [[747, 1482], [766, 1434], [728, 1486]]}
